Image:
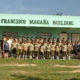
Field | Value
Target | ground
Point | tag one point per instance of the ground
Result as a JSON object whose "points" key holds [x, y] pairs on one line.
{"points": [[25, 69]]}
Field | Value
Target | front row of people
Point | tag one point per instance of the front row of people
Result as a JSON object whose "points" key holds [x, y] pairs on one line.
{"points": [[44, 50]]}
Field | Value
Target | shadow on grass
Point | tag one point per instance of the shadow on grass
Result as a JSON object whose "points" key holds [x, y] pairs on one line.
{"points": [[24, 77], [72, 79]]}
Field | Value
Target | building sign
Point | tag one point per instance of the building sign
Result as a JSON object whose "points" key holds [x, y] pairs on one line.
{"points": [[44, 21], [25, 20], [13, 21]]}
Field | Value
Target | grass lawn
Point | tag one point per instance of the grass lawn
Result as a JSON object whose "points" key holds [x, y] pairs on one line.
{"points": [[25, 69]]}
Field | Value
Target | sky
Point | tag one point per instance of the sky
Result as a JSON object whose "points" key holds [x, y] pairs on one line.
{"points": [[43, 7]]}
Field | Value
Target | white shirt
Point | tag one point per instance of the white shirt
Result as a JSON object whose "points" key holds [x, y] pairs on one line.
{"points": [[10, 42]]}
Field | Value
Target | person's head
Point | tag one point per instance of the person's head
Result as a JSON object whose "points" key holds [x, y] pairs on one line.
{"points": [[7, 37], [10, 36], [64, 43], [69, 43], [18, 37], [36, 38], [63, 38], [6, 40], [22, 37], [14, 40], [40, 37], [25, 41]]}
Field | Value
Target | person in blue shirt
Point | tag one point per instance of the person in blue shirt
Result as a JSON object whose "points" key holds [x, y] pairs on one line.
{"points": [[6, 48]]}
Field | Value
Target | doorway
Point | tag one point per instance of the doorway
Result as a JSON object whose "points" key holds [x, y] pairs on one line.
{"points": [[63, 35]]}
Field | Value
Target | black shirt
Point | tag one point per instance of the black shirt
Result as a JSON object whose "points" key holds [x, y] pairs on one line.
{"points": [[1, 44]]}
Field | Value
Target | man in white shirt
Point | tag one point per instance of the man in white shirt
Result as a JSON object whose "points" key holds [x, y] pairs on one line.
{"points": [[10, 42]]}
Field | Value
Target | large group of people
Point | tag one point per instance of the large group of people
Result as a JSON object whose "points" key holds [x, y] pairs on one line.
{"points": [[38, 48]]}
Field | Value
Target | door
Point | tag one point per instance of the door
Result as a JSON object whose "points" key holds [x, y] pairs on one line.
{"points": [[75, 37], [63, 35]]}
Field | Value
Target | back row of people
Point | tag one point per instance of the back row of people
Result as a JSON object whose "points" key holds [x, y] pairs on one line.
{"points": [[41, 40]]}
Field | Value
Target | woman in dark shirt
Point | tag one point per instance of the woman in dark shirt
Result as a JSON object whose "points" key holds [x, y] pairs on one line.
{"points": [[6, 48]]}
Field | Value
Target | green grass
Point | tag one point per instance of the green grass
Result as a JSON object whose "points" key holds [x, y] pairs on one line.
{"points": [[44, 69], [41, 76], [40, 61]]}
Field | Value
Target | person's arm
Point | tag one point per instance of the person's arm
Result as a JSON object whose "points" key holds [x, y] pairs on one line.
{"points": [[3, 47], [8, 46]]}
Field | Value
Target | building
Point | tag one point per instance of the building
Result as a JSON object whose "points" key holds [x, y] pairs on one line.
{"points": [[46, 26]]}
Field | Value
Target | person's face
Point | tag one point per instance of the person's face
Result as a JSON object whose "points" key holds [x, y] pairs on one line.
{"points": [[10, 37], [22, 36], [18, 37]]}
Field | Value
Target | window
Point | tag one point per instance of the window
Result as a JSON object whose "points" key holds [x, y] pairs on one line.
{"points": [[45, 35], [27, 35], [13, 34]]}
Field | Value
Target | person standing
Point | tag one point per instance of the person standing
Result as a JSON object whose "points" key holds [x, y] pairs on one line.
{"points": [[75, 49], [18, 50], [57, 50], [37, 39], [13, 48], [6, 48], [63, 40], [4, 37], [64, 50], [54, 40], [52, 50], [23, 39], [45, 49], [78, 49], [25, 50], [10, 43], [48, 50], [19, 39], [39, 44], [41, 40], [69, 49], [31, 50], [42, 51], [36, 50]]}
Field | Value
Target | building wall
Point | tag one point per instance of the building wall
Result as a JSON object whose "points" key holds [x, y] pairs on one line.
{"points": [[33, 31]]}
